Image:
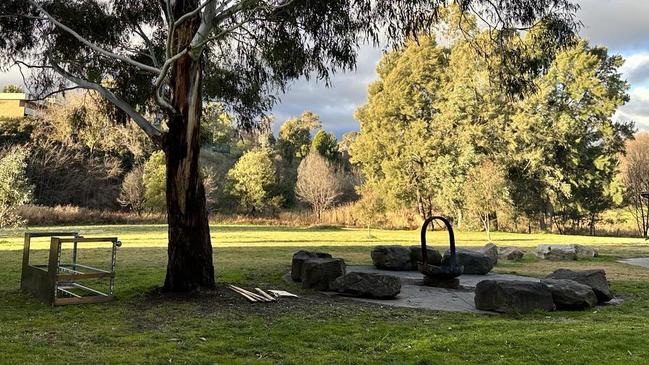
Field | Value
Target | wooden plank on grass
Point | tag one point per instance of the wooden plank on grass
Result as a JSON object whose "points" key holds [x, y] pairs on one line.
{"points": [[265, 295], [233, 288]]}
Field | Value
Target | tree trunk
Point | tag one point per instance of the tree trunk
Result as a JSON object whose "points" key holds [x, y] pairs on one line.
{"points": [[190, 265]]}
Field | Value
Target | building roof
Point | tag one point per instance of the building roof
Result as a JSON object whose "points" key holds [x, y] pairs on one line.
{"points": [[13, 96]]}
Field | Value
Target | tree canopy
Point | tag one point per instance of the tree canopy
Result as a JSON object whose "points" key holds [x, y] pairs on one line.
{"points": [[157, 61], [250, 48], [437, 112]]}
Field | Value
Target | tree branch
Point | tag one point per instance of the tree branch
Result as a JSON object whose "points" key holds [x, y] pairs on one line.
{"points": [[203, 31], [194, 12], [201, 38], [161, 77], [93, 46], [172, 29], [22, 16], [151, 131], [148, 43], [43, 97]]}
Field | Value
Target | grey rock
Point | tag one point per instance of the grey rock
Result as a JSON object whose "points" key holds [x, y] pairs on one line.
{"points": [[474, 262], [569, 294], [491, 251], [392, 258], [511, 296], [556, 252], [367, 285], [511, 253], [318, 273], [565, 252], [434, 257], [299, 258], [585, 252], [595, 279]]}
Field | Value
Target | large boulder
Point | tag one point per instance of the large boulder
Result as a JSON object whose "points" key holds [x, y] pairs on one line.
{"points": [[474, 262], [318, 273], [595, 279], [510, 296], [569, 294], [565, 252], [299, 258], [434, 257], [491, 251], [395, 258], [367, 285], [510, 253]]}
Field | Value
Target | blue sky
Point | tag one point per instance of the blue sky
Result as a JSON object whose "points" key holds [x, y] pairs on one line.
{"points": [[621, 25]]}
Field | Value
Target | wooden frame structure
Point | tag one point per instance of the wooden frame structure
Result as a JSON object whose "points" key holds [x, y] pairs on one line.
{"points": [[58, 283]]}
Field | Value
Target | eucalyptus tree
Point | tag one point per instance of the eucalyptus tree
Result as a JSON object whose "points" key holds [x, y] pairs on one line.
{"points": [[156, 61]]}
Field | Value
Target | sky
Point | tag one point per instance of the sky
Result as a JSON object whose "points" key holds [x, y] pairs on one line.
{"points": [[620, 25]]}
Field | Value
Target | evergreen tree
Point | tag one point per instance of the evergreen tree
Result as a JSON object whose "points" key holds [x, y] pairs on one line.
{"points": [[252, 179], [295, 136], [326, 145]]}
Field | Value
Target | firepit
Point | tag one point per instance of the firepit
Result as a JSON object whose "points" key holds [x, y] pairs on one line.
{"points": [[445, 275]]}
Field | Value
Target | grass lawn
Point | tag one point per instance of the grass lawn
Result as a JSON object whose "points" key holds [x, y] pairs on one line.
{"points": [[222, 328]]}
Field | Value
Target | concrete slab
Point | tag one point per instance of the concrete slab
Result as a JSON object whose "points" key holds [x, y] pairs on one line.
{"points": [[415, 295], [416, 278], [637, 261], [424, 297]]}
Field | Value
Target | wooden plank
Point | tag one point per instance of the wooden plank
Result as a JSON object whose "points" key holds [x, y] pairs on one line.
{"points": [[83, 287], [69, 292], [266, 295], [283, 293], [89, 239], [242, 294], [94, 275], [92, 269], [83, 300], [256, 296], [50, 234]]}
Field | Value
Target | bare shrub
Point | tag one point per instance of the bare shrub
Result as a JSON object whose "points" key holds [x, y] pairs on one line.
{"points": [[318, 183], [131, 195], [634, 172], [63, 175]]}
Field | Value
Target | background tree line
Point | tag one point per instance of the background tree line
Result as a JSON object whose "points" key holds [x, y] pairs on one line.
{"points": [[67, 156], [448, 129]]}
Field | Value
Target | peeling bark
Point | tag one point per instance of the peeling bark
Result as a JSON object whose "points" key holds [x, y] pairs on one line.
{"points": [[190, 265]]}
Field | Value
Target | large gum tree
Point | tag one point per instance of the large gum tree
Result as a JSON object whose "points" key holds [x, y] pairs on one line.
{"points": [[157, 61]]}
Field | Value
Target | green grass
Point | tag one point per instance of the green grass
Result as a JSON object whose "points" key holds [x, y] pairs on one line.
{"points": [[222, 328]]}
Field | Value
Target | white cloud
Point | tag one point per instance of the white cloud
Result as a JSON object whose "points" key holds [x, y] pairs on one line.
{"points": [[637, 109], [620, 25], [335, 104], [636, 68]]}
